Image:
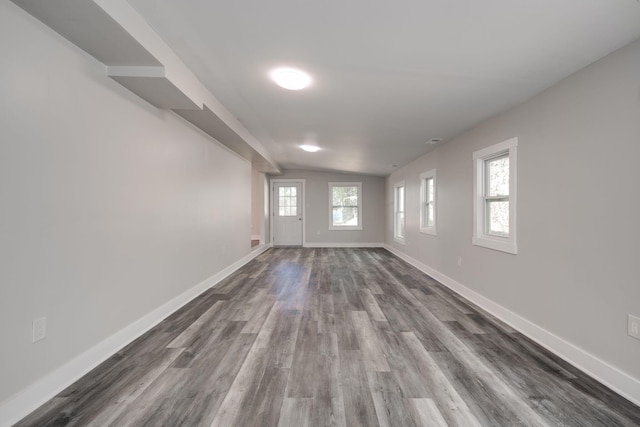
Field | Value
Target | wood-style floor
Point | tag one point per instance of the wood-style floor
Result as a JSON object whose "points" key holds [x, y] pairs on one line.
{"points": [[345, 337]]}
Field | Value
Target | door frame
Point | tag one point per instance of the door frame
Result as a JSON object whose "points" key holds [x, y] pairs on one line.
{"points": [[272, 211]]}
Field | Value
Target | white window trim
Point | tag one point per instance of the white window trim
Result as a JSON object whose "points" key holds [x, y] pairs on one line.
{"points": [[480, 237], [432, 230], [345, 227], [395, 212]]}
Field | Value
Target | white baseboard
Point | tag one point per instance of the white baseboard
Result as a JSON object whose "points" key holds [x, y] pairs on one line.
{"points": [[344, 245], [618, 381], [26, 401]]}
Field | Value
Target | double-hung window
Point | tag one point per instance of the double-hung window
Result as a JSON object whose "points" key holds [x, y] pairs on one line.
{"points": [[398, 212], [345, 207], [428, 202], [495, 197]]}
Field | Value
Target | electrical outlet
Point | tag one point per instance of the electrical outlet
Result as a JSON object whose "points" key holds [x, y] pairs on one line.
{"points": [[459, 261], [39, 329], [633, 326]]}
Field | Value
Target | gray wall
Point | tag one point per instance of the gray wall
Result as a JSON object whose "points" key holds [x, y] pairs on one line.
{"points": [[258, 198], [577, 273], [110, 207], [317, 208]]}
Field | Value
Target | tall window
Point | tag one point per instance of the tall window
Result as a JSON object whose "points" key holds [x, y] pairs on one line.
{"points": [[495, 197], [345, 207], [428, 202], [398, 210]]}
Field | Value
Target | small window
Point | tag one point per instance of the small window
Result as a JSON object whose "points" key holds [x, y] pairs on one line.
{"points": [[398, 209], [345, 207], [495, 197], [428, 202]]}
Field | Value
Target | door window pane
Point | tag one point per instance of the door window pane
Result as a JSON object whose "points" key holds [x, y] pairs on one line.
{"points": [[287, 201]]}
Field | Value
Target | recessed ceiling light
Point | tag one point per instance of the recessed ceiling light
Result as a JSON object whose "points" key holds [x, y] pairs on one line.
{"points": [[310, 148], [290, 78], [434, 140]]}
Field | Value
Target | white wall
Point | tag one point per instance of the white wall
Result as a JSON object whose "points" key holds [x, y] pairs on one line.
{"points": [[317, 208], [109, 207], [577, 274]]}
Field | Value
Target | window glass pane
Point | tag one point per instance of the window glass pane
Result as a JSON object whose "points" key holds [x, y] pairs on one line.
{"points": [[429, 195], [400, 224], [345, 196], [399, 212], [345, 216], [497, 176], [429, 221], [498, 218], [287, 201]]}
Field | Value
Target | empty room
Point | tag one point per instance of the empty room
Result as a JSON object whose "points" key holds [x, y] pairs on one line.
{"points": [[291, 213]]}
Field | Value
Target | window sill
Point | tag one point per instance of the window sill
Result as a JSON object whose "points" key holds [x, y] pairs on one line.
{"points": [[347, 228], [430, 230], [501, 245]]}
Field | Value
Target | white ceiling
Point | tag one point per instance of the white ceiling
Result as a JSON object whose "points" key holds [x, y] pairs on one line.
{"points": [[388, 76]]}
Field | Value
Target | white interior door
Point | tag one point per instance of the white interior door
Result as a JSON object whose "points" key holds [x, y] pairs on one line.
{"points": [[287, 213]]}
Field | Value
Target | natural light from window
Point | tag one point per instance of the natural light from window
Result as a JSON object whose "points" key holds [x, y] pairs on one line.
{"points": [[345, 208], [494, 197], [398, 208], [288, 201], [497, 196], [428, 202]]}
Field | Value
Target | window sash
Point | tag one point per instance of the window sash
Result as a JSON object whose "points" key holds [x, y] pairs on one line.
{"points": [[428, 214], [342, 209], [487, 178], [487, 216], [400, 224], [488, 200], [428, 203], [399, 208], [339, 206], [494, 224]]}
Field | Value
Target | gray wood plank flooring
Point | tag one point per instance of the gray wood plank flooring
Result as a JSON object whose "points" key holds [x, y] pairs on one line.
{"points": [[333, 337]]}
